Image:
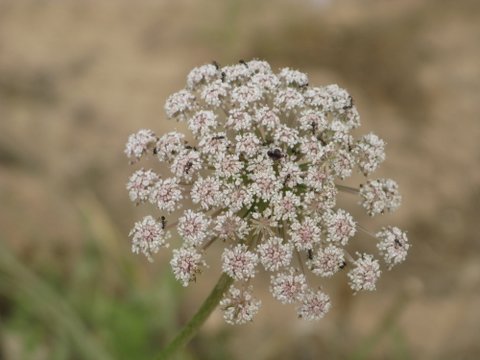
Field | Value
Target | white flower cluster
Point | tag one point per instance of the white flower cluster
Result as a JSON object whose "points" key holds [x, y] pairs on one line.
{"points": [[263, 171]]}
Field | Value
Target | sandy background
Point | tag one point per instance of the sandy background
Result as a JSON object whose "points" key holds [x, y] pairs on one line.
{"points": [[77, 77]]}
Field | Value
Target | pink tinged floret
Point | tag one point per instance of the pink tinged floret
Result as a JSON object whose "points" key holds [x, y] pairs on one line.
{"points": [[202, 75], [318, 98], [259, 67], [342, 164], [202, 123], [340, 226], [312, 121], [316, 203], [369, 152], [148, 236], [327, 261], [379, 196], [236, 197], [236, 73], [284, 135], [313, 305], [215, 144], [393, 245], [186, 164], [239, 119], [247, 144], [140, 144], [274, 254], [266, 82], [293, 77], [288, 287], [206, 192], [186, 264], [265, 185], [214, 93], [166, 194], [193, 227], [231, 227], [267, 117], [291, 174], [365, 273], [305, 234], [318, 178], [140, 185], [239, 263], [313, 150], [179, 104], [243, 96], [339, 99], [289, 99], [169, 145], [260, 166], [286, 206], [342, 140], [228, 166], [239, 306]]}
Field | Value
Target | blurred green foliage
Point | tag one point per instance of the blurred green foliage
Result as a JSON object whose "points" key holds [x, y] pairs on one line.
{"points": [[104, 308], [81, 315]]}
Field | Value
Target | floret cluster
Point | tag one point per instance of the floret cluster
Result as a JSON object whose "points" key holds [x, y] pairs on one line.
{"points": [[265, 161]]}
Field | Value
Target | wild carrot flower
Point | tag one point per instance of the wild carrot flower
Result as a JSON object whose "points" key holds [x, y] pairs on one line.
{"points": [[313, 305], [266, 157], [239, 306]]}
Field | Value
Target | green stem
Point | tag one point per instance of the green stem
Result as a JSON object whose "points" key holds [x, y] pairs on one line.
{"points": [[347, 189], [211, 302]]}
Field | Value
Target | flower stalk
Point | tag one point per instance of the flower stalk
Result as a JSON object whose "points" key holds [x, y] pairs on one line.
{"points": [[191, 328]]}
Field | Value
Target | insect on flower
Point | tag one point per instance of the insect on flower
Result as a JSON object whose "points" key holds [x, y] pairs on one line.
{"points": [[271, 154], [275, 154]]}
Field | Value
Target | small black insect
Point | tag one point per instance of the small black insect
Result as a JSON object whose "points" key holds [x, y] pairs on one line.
{"points": [[220, 137], [274, 154], [216, 64], [190, 147], [223, 76], [243, 63], [314, 127], [188, 167], [310, 254], [155, 150], [351, 103], [342, 265], [398, 242], [164, 222]]}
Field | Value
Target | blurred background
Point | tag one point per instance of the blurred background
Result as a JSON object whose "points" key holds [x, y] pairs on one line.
{"points": [[77, 77]]}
